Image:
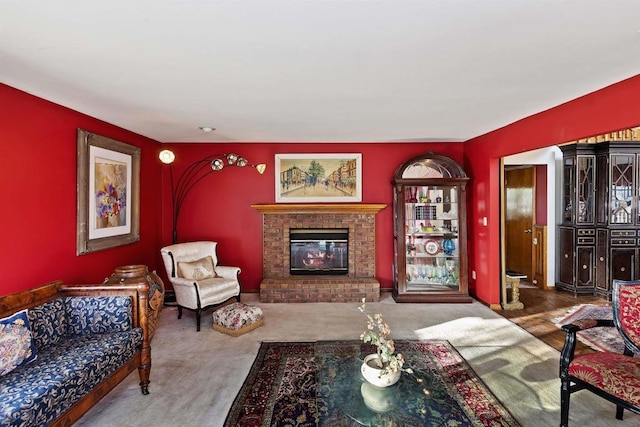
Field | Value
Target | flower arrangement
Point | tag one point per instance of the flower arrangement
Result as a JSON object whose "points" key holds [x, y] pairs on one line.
{"points": [[110, 200], [377, 333]]}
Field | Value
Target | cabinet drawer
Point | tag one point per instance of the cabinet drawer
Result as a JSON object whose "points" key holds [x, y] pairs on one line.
{"points": [[623, 242], [587, 232], [586, 240], [623, 233]]}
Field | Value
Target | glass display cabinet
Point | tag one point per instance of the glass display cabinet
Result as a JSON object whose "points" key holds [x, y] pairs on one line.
{"points": [[430, 259], [577, 234], [598, 237]]}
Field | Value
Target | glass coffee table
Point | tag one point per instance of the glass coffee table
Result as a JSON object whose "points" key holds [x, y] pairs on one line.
{"points": [[347, 399]]}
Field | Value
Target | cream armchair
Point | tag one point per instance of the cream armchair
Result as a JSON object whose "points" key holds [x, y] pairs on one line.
{"points": [[197, 279]]}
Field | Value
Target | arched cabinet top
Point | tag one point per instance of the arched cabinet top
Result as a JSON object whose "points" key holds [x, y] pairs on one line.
{"points": [[429, 166]]}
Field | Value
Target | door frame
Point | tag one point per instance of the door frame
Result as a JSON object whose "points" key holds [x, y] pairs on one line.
{"points": [[552, 157], [507, 168]]}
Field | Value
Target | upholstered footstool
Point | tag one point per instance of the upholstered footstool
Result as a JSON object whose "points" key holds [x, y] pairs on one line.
{"points": [[237, 319]]}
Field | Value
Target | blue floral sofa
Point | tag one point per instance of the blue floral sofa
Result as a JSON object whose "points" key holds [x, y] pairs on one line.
{"points": [[74, 344]]}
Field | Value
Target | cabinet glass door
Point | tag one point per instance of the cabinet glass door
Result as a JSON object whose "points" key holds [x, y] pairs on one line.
{"points": [[568, 193], [431, 238], [622, 173], [585, 181]]}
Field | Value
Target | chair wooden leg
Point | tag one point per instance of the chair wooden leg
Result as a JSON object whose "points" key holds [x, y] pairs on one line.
{"points": [[179, 312], [198, 313], [564, 403], [619, 412]]}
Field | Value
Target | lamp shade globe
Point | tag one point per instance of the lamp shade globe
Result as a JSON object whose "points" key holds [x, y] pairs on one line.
{"points": [[167, 157]]}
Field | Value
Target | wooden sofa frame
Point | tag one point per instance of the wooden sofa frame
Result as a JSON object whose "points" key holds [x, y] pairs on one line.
{"points": [[139, 292]]}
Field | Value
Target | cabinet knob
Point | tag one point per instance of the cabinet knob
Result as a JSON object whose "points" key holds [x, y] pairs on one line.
{"points": [[622, 269], [566, 255], [601, 258], [584, 266]]}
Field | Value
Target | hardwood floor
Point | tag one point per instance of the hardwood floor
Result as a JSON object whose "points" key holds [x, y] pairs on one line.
{"points": [[540, 306]]}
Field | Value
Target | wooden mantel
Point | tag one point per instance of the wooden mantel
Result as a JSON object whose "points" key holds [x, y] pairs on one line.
{"points": [[342, 208]]}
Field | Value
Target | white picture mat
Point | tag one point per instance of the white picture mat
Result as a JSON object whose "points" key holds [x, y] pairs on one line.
{"points": [[101, 155]]}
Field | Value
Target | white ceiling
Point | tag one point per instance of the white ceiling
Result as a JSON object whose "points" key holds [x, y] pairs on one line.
{"points": [[312, 70]]}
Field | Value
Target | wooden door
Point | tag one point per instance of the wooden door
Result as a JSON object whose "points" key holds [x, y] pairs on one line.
{"points": [[519, 219]]}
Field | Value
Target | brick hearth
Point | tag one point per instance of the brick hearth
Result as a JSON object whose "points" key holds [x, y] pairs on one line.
{"points": [[279, 286]]}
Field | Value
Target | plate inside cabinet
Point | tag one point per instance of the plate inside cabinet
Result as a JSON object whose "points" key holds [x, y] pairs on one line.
{"points": [[431, 247]]}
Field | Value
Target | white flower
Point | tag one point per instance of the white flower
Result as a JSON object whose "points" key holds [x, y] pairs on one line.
{"points": [[377, 334]]}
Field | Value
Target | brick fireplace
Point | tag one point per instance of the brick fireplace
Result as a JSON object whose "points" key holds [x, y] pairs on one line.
{"points": [[278, 285]]}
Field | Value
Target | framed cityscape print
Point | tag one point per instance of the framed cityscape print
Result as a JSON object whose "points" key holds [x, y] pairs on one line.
{"points": [[327, 178], [108, 193]]}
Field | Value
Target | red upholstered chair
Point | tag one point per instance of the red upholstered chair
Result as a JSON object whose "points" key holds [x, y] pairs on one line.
{"points": [[613, 376]]}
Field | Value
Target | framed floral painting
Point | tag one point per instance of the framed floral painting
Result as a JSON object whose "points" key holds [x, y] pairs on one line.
{"points": [[308, 178], [108, 199]]}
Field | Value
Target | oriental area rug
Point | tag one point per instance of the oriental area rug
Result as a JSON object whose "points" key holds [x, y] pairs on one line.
{"points": [[307, 384], [601, 338]]}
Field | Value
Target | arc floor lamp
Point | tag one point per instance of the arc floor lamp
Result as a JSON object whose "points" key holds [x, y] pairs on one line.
{"points": [[194, 173]]}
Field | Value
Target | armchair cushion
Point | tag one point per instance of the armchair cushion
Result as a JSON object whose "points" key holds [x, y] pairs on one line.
{"points": [[216, 290], [611, 372], [200, 269], [628, 314]]}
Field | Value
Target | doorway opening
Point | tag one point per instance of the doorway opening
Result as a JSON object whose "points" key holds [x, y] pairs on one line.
{"points": [[528, 218]]}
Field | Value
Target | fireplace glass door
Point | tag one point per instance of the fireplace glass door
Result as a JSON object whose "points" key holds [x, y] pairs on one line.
{"points": [[319, 251]]}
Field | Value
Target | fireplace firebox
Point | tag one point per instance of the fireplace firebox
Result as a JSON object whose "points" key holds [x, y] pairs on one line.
{"points": [[319, 251]]}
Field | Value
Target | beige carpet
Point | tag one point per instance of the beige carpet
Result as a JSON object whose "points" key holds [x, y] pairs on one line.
{"points": [[195, 376]]}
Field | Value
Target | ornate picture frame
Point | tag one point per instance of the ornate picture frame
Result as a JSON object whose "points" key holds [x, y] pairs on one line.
{"points": [[108, 193], [328, 178]]}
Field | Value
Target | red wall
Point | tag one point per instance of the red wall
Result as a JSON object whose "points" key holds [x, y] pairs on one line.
{"points": [[219, 207], [612, 108], [38, 186]]}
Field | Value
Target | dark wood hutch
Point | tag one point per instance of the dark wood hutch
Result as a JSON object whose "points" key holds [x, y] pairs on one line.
{"points": [[598, 235]]}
